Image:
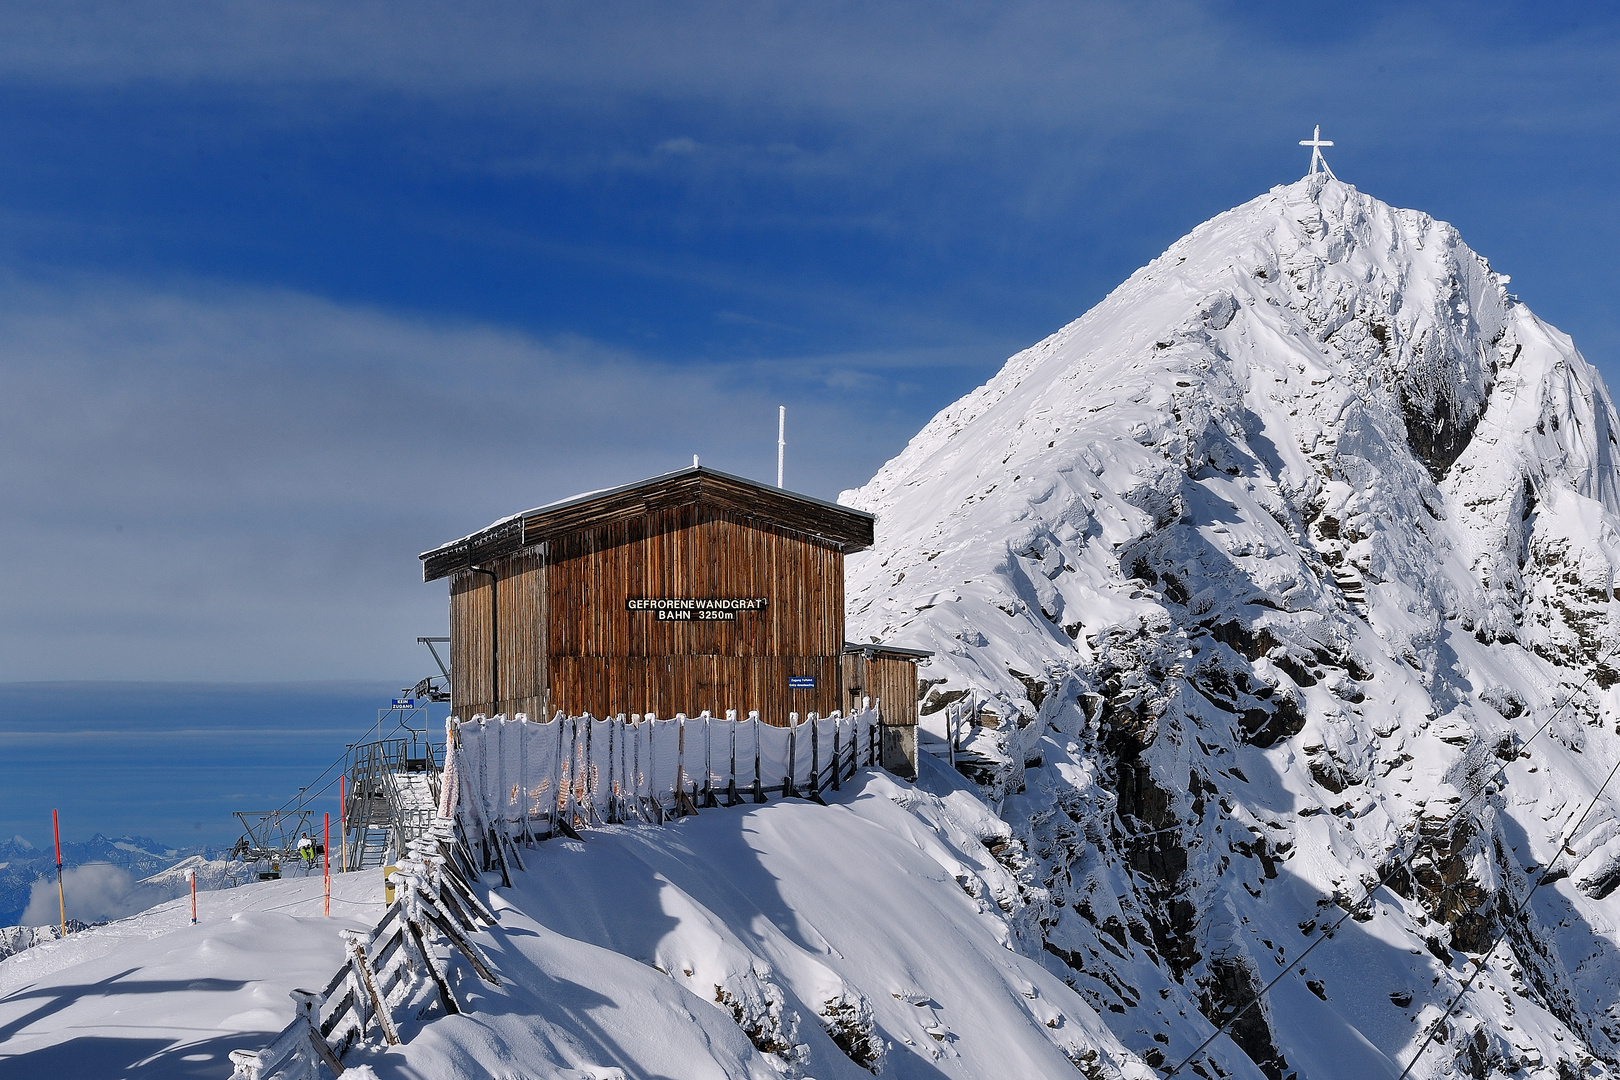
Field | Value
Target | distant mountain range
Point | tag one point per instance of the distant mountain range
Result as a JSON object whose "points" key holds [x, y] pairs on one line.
{"points": [[21, 864]]}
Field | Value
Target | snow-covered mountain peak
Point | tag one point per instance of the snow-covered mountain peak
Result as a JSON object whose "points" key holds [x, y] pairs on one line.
{"points": [[1302, 527], [1336, 357]]}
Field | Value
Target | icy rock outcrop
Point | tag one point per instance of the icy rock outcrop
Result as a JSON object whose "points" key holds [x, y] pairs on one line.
{"points": [[1267, 564]]}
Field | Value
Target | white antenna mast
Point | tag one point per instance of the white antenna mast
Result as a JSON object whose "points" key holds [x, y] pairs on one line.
{"points": [[781, 440]]}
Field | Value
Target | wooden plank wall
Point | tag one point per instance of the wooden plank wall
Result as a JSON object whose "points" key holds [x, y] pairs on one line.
{"points": [[694, 551], [853, 674], [605, 658], [521, 624], [895, 682], [605, 685], [892, 681], [568, 642], [523, 667], [470, 689]]}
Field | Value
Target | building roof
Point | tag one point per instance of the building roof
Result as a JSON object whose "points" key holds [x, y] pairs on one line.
{"points": [[878, 651], [850, 530]]}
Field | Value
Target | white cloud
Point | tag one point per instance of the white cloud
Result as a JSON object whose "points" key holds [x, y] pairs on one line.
{"points": [[95, 892], [1103, 65], [234, 485], [682, 145]]}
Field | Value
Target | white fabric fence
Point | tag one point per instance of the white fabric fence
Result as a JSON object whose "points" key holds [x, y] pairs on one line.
{"points": [[531, 780]]}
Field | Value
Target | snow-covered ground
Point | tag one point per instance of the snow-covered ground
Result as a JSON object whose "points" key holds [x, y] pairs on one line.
{"points": [[153, 996], [739, 943]]}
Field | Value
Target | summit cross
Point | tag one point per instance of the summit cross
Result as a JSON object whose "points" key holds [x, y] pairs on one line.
{"points": [[1316, 142]]}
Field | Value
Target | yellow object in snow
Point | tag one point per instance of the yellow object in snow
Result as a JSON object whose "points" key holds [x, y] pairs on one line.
{"points": [[388, 883]]}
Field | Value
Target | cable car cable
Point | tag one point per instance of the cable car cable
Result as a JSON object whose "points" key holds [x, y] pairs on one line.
{"points": [[1401, 866], [1479, 965]]}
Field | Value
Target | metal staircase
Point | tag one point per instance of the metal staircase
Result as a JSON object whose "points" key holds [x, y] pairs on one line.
{"points": [[393, 788]]}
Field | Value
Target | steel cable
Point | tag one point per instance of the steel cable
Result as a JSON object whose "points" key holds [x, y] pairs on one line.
{"points": [[1400, 867]]}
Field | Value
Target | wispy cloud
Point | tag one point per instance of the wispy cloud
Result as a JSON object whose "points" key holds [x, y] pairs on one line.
{"points": [[1040, 63], [908, 76], [736, 318], [234, 484]]}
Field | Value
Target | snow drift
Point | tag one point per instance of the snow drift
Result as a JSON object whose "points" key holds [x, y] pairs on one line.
{"points": [[152, 996], [877, 934], [1265, 564]]}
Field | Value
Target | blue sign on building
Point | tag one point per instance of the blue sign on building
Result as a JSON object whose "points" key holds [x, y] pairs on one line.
{"points": [[801, 682]]}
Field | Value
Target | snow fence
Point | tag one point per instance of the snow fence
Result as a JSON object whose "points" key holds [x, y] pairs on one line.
{"points": [[395, 971], [530, 780]]}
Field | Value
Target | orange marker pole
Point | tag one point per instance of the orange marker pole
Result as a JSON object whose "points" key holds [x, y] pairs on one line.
{"points": [[61, 900], [191, 876], [326, 859]]}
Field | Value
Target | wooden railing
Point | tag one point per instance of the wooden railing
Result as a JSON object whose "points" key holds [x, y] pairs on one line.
{"points": [[391, 972]]}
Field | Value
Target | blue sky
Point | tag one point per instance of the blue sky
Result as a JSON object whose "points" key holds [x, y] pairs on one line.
{"points": [[291, 292]]}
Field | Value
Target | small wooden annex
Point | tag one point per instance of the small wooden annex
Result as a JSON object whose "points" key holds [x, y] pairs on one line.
{"points": [[689, 591]]}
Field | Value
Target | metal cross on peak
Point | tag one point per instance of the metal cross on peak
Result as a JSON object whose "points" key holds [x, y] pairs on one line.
{"points": [[1316, 143]]}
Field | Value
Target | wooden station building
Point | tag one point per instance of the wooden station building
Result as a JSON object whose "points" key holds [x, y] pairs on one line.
{"points": [[689, 591]]}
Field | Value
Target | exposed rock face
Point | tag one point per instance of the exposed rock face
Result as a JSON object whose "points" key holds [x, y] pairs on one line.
{"points": [[1271, 563]]}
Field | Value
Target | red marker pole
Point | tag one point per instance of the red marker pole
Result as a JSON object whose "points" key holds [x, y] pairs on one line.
{"points": [[191, 876], [326, 859], [61, 900]]}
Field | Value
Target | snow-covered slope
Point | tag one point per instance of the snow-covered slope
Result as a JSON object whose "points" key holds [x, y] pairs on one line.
{"points": [[153, 996], [1266, 564], [103, 891], [786, 939]]}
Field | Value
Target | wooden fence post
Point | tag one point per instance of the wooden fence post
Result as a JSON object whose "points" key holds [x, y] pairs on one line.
{"points": [[683, 803], [362, 966], [246, 1065], [588, 775], [759, 790], [732, 798], [452, 1007], [307, 1007], [838, 761], [557, 777], [655, 796], [708, 801], [815, 756], [613, 787], [789, 790]]}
